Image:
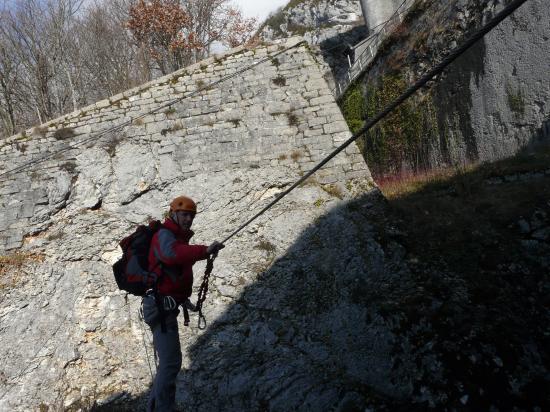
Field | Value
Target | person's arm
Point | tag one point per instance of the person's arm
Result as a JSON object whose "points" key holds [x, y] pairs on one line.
{"points": [[172, 252]]}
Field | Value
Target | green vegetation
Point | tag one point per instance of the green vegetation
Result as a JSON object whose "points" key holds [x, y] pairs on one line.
{"points": [[170, 111], [353, 107], [404, 138], [515, 101]]}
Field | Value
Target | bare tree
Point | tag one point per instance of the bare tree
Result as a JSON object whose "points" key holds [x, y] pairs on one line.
{"points": [[39, 34], [9, 79], [107, 53], [57, 55], [178, 33]]}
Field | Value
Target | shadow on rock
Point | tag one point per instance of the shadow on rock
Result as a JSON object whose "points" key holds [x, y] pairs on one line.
{"points": [[311, 333]]}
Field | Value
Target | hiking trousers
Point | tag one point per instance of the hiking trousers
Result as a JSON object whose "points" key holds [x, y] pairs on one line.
{"points": [[168, 349]]}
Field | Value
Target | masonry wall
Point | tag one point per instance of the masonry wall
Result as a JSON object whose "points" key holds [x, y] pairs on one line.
{"points": [[279, 114]]}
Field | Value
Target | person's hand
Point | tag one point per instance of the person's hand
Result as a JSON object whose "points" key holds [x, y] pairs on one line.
{"points": [[214, 248]]}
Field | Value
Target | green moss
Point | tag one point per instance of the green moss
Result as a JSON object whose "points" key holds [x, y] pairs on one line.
{"points": [[404, 139], [515, 100], [353, 107]]}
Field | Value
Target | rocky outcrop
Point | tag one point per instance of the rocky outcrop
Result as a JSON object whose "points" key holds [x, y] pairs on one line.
{"points": [[314, 20], [331, 27], [287, 298]]}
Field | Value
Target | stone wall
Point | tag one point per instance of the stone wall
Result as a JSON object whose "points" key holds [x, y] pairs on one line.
{"points": [[279, 115], [495, 99]]}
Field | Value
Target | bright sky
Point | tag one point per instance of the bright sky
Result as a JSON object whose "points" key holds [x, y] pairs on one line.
{"points": [[259, 8]]}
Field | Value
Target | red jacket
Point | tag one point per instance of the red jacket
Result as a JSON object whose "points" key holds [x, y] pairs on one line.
{"points": [[170, 246]]}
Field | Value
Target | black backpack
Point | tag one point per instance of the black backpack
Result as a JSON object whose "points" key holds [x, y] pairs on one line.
{"points": [[132, 269]]}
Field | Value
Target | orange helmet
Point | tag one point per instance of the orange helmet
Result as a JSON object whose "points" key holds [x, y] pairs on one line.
{"points": [[183, 203]]}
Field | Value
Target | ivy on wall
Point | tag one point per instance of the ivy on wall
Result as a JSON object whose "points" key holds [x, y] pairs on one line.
{"points": [[405, 138]]}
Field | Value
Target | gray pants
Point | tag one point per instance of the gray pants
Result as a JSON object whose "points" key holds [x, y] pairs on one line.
{"points": [[167, 347]]}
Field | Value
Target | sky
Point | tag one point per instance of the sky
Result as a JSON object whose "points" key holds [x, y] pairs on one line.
{"points": [[250, 8], [259, 8]]}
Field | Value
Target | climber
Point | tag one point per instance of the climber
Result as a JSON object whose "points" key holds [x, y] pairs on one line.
{"points": [[171, 257]]}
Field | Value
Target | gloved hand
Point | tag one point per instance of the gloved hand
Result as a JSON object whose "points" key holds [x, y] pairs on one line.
{"points": [[214, 248]]}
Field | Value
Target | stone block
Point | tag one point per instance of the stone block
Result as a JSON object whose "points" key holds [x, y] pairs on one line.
{"points": [[102, 104], [335, 127], [322, 100], [26, 210]]}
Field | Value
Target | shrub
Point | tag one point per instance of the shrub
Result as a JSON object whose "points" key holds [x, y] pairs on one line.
{"points": [[292, 119], [279, 81], [515, 101], [64, 133]]}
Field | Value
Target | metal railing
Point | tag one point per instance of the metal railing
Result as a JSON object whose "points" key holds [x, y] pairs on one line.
{"points": [[373, 42]]}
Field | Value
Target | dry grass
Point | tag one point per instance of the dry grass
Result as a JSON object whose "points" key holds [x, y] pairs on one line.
{"points": [[266, 245], [462, 177], [457, 213], [333, 190], [396, 186], [11, 265], [296, 155]]}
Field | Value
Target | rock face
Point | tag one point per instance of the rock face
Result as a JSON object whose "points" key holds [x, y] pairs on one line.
{"points": [[289, 324], [376, 12], [315, 20], [332, 27], [495, 99], [491, 102]]}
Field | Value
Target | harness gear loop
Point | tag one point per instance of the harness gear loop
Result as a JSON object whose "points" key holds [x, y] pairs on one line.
{"points": [[203, 289]]}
